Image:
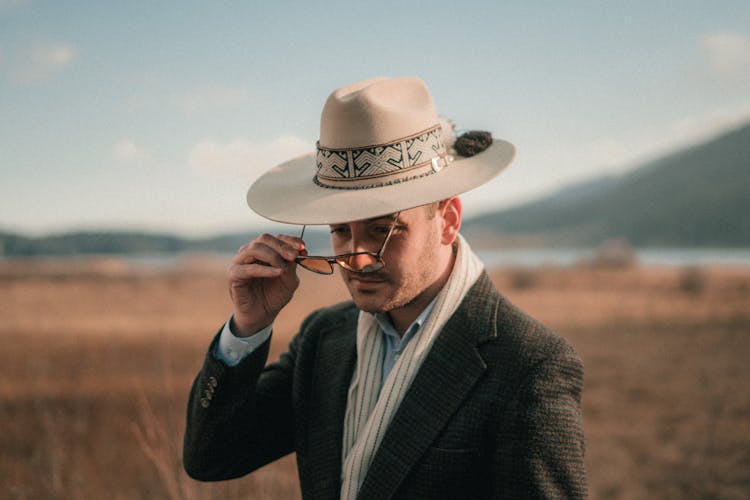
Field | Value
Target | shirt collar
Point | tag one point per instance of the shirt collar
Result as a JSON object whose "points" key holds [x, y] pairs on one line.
{"points": [[386, 325]]}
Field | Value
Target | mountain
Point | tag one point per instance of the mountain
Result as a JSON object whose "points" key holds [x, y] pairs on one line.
{"points": [[88, 242], [120, 242], [699, 196]]}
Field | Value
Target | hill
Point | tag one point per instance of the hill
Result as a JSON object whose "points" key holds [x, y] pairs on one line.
{"points": [[695, 197], [120, 242]]}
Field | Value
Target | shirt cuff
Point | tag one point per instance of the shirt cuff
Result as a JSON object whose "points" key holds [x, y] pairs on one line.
{"points": [[232, 349]]}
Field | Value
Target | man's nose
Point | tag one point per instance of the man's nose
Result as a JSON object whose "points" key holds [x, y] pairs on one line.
{"points": [[362, 242], [361, 261]]}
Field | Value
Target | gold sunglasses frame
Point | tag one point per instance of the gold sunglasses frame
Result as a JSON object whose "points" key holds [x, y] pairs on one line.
{"points": [[341, 259]]}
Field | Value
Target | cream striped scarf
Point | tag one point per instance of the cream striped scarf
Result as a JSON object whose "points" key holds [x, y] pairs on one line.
{"points": [[367, 415]]}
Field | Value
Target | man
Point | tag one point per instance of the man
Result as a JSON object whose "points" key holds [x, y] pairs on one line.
{"points": [[428, 384]]}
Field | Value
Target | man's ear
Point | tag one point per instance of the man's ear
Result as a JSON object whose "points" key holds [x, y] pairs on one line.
{"points": [[450, 215]]}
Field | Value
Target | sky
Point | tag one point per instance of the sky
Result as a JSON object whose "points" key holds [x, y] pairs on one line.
{"points": [[158, 116]]}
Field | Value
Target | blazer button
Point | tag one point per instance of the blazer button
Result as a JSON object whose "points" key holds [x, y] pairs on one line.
{"points": [[205, 403], [212, 381], [208, 394]]}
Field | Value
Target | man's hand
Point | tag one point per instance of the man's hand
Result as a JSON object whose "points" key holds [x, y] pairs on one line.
{"points": [[262, 280]]}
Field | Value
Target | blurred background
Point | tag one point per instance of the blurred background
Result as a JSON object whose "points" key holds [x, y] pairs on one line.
{"points": [[129, 133]]}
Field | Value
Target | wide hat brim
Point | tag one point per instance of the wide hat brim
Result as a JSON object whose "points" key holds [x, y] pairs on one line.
{"points": [[288, 193]]}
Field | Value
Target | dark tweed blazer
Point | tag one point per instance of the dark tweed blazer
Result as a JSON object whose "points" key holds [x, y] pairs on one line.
{"points": [[494, 412]]}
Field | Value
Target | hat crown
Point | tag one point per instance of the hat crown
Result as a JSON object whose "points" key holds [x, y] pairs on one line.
{"points": [[382, 149], [376, 111]]}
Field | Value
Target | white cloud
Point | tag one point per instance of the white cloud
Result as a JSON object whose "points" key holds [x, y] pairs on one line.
{"points": [[245, 158], [211, 97], [39, 61], [691, 129], [610, 151], [126, 151], [727, 54]]}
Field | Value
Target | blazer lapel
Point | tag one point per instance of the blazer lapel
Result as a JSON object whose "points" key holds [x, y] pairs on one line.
{"points": [[449, 371], [335, 362]]}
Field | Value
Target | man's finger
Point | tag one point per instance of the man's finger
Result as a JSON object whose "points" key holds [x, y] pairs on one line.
{"points": [[241, 272], [261, 253], [255, 249], [293, 241]]}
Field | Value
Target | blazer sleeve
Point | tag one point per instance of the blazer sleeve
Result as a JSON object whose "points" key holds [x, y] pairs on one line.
{"points": [[239, 418], [546, 440]]}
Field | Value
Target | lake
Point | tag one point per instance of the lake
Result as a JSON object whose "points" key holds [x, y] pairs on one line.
{"points": [[499, 258], [648, 256], [534, 257]]}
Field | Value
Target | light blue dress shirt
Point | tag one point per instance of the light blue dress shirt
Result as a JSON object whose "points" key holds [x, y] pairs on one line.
{"points": [[393, 343], [232, 349]]}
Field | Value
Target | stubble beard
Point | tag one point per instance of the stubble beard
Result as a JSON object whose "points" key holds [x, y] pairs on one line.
{"points": [[402, 294]]}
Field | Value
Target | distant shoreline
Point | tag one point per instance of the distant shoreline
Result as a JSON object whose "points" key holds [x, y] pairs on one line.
{"points": [[493, 259]]}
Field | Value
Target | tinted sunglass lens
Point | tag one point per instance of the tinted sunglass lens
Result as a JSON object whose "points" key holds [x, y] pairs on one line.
{"points": [[320, 266]]}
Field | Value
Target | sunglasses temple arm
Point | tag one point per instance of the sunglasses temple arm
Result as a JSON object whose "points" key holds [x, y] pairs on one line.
{"points": [[302, 235], [388, 237]]}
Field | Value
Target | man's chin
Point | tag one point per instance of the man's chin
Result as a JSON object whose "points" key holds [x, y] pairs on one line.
{"points": [[368, 302], [372, 297], [375, 303]]}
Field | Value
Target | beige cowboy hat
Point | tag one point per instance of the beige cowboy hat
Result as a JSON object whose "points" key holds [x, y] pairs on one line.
{"points": [[382, 149]]}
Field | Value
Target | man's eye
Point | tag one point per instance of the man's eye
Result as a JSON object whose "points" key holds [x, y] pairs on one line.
{"points": [[339, 230], [384, 228]]}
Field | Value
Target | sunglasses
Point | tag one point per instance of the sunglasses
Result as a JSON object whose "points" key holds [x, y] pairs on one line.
{"points": [[356, 262]]}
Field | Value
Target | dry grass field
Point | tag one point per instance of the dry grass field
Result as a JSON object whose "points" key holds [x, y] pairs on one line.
{"points": [[97, 359]]}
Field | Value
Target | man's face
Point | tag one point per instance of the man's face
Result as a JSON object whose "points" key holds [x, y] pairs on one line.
{"points": [[410, 258]]}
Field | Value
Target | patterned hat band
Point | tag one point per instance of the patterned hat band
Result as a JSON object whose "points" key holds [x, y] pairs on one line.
{"points": [[415, 156]]}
